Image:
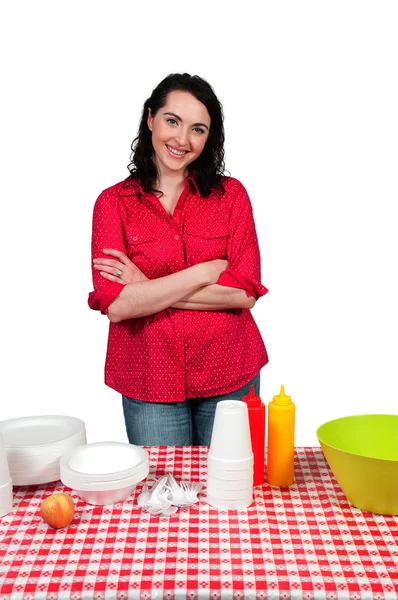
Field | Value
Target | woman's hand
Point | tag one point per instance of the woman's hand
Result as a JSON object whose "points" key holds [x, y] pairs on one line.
{"points": [[214, 268], [121, 270], [124, 271]]}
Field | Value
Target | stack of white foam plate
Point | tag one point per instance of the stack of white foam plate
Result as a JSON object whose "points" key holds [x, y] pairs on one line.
{"points": [[34, 446]]}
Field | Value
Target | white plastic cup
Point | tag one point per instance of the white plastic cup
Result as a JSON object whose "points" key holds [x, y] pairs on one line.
{"points": [[230, 438], [229, 484], [220, 464], [229, 494], [214, 470], [230, 503]]}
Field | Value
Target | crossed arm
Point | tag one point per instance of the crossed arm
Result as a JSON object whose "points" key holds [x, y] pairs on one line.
{"points": [[191, 289], [216, 297], [213, 285]]}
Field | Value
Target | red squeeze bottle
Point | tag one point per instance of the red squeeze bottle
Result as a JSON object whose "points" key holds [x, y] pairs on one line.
{"points": [[256, 410]]}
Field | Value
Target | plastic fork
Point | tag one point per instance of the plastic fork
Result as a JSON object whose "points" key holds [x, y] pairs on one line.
{"points": [[157, 499], [178, 496], [191, 490]]}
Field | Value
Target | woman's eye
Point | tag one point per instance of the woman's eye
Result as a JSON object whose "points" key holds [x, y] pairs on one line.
{"points": [[171, 121], [199, 130]]}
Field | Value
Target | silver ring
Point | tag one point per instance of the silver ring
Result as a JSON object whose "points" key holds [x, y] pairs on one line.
{"points": [[119, 273]]}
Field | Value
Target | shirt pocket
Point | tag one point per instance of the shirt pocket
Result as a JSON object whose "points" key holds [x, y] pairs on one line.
{"points": [[142, 248], [205, 242]]}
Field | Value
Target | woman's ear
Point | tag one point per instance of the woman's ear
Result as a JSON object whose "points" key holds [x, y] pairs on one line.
{"points": [[149, 119]]}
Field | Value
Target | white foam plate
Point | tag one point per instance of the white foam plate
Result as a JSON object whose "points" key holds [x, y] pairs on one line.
{"points": [[39, 430], [34, 446]]}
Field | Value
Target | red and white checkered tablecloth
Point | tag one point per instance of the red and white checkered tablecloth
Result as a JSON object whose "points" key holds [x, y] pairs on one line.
{"points": [[305, 541]]}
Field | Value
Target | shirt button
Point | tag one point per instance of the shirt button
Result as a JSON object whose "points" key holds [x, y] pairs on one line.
{"points": [[177, 237], [135, 238]]}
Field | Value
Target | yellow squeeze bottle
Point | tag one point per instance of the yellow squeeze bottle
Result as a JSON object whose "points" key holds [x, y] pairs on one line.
{"points": [[280, 443]]}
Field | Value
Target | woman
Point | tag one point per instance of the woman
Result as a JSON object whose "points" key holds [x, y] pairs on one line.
{"points": [[176, 268]]}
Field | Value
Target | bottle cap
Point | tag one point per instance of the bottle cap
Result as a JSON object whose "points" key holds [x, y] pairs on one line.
{"points": [[282, 399], [252, 400]]}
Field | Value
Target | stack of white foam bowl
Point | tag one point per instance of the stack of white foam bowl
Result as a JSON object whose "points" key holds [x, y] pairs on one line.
{"points": [[34, 446], [104, 472], [230, 458], [5, 482]]}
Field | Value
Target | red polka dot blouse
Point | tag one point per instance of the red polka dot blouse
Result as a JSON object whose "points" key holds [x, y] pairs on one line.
{"points": [[177, 354]]}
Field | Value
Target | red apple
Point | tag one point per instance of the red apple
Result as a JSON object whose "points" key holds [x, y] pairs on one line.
{"points": [[57, 510]]}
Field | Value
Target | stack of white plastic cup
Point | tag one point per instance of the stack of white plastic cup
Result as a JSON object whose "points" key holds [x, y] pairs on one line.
{"points": [[5, 482], [230, 457]]}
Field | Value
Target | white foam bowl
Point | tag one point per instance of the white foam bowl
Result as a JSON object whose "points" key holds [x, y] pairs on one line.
{"points": [[101, 498], [104, 472]]}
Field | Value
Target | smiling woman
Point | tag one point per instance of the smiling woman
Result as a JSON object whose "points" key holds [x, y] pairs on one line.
{"points": [[169, 129], [179, 133], [176, 268]]}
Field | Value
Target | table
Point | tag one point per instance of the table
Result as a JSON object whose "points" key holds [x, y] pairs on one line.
{"points": [[303, 542]]}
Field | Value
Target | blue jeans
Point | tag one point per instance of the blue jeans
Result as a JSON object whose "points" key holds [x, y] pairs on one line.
{"points": [[187, 423]]}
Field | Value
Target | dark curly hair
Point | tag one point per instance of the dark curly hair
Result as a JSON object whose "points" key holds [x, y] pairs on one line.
{"points": [[208, 168]]}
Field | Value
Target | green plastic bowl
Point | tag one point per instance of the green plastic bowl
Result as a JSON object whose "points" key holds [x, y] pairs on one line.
{"points": [[362, 452]]}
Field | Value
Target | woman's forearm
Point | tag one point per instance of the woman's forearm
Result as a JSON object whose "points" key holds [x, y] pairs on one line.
{"points": [[148, 297], [216, 297]]}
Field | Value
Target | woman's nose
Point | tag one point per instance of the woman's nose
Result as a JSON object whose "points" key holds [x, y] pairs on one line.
{"points": [[182, 137]]}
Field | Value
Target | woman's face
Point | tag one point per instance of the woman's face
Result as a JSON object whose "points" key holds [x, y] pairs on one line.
{"points": [[180, 130]]}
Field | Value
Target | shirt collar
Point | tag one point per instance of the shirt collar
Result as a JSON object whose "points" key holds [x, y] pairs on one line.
{"points": [[193, 181], [129, 187], [132, 187]]}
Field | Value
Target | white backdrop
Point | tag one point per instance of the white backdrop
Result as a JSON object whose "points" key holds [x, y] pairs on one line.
{"points": [[310, 96]]}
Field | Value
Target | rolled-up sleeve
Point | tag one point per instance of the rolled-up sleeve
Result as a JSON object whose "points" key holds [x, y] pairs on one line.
{"points": [[107, 232], [243, 251]]}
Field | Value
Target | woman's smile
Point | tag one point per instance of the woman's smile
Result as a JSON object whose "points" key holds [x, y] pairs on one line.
{"points": [[176, 153]]}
